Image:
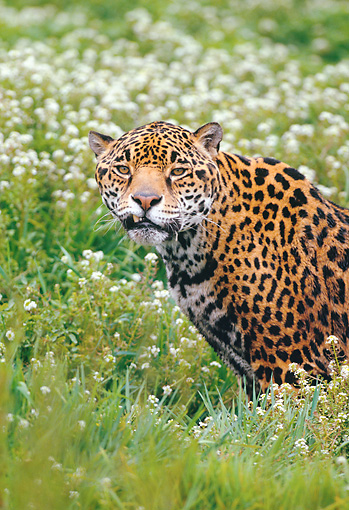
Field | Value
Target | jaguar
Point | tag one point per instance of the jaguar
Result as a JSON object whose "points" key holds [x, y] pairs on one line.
{"points": [[255, 256]]}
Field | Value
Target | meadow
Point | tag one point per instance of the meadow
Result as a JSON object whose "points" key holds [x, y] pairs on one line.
{"points": [[109, 397]]}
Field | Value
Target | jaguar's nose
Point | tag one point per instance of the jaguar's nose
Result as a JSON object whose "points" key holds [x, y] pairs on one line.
{"points": [[146, 201]]}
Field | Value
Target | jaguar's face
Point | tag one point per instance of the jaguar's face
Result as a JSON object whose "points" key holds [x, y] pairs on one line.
{"points": [[159, 179]]}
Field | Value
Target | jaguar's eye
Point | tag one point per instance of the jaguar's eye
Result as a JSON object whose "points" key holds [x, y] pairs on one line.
{"points": [[177, 172], [123, 170]]}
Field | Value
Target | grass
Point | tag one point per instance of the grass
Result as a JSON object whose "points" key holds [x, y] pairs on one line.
{"points": [[109, 397]]}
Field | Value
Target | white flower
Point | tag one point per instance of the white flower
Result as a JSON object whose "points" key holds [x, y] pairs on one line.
{"points": [[45, 390], [82, 424], [167, 390], [109, 358], [173, 351], [29, 305], [153, 400], [341, 460], [154, 350], [161, 294], [215, 364], [97, 275], [136, 277], [97, 377], [114, 288], [4, 185], [205, 369], [23, 424], [18, 170], [158, 285], [301, 444], [332, 340], [144, 365], [151, 257], [87, 254], [98, 255], [10, 334], [91, 183], [106, 482], [345, 372]]}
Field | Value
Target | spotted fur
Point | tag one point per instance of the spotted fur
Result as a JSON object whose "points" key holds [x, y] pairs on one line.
{"points": [[255, 256]]}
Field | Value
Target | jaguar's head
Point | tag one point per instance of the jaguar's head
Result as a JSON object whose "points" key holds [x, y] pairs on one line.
{"points": [[158, 179]]}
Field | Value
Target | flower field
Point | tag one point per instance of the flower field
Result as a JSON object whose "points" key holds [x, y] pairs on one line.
{"points": [[110, 399]]}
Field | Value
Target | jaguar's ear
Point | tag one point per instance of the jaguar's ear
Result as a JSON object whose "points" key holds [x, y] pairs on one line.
{"points": [[210, 136], [99, 142]]}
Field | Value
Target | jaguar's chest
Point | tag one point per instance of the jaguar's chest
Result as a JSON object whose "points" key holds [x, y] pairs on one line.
{"points": [[192, 279]]}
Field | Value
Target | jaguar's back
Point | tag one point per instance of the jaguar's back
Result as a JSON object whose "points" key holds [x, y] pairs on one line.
{"points": [[255, 256]]}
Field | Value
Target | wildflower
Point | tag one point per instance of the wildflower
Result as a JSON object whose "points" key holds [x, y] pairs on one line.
{"points": [[109, 358], [29, 305], [56, 466], [82, 424], [332, 340], [10, 334], [205, 369], [97, 275], [154, 350], [18, 171], [158, 285], [151, 257], [173, 351], [105, 482], [145, 365], [97, 376], [332, 367], [136, 277], [10, 418], [23, 424], [167, 390], [114, 288], [45, 390], [84, 197], [91, 183], [153, 400], [301, 444], [345, 372], [50, 357], [98, 255], [215, 364]]}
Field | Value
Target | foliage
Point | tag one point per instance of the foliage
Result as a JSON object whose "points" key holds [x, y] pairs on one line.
{"points": [[109, 396]]}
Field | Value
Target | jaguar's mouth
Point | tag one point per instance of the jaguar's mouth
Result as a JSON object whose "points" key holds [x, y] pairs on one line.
{"points": [[144, 231], [134, 222]]}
